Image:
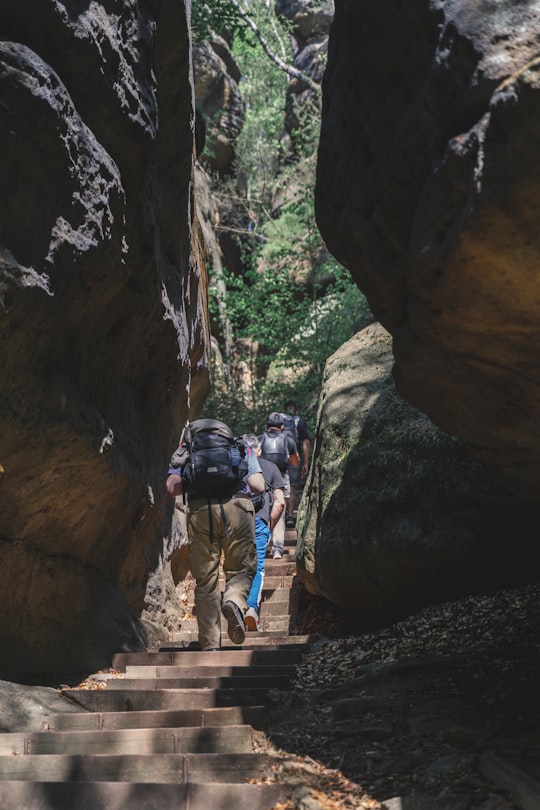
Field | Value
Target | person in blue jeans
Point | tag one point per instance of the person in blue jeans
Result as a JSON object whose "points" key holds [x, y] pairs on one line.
{"points": [[266, 517]]}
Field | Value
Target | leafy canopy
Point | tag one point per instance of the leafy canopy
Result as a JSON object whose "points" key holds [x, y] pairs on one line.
{"points": [[292, 303]]}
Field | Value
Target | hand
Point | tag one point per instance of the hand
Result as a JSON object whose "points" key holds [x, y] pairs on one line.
{"points": [[174, 485]]}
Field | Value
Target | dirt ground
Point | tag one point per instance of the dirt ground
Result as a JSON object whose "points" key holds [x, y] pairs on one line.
{"points": [[441, 710]]}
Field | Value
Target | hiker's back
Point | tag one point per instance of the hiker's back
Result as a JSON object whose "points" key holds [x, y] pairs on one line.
{"points": [[274, 448], [290, 426]]}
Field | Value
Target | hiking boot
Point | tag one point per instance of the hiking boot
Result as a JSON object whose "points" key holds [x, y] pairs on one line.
{"points": [[290, 522], [236, 628], [277, 555], [252, 619]]}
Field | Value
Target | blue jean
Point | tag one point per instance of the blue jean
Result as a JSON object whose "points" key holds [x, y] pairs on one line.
{"points": [[262, 536]]}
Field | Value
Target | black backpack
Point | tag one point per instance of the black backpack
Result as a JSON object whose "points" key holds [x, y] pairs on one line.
{"points": [[290, 425], [217, 459], [274, 448]]}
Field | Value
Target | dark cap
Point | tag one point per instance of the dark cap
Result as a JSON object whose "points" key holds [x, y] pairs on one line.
{"points": [[274, 420]]}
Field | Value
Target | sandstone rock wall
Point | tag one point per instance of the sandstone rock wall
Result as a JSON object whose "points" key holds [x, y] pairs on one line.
{"points": [[428, 191], [103, 336], [394, 515], [219, 101]]}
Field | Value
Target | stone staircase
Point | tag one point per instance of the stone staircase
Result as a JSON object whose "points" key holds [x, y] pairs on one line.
{"points": [[170, 729]]}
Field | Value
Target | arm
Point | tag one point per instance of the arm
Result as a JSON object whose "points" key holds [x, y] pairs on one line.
{"points": [[256, 483], [174, 485], [255, 477], [278, 506], [306, 450]]}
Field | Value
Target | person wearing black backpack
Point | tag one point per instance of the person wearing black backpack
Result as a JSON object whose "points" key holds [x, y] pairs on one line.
{"points": [[297, 428], [217, 473], [279, 448]]}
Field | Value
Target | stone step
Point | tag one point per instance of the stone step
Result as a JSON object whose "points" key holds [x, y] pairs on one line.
{"points": [[178, 657], [276, 595], [280, 623], [133, 796], [129, 700], [210, 740], [283, 567], [206, 671], [278, 607], [203, 681], [274, 624], [153, 768], [254, 716], [274, 578], [253, 641], [176, 731]]}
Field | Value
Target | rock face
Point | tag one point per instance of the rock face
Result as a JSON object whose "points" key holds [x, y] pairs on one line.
{"points": [[102, 333], [219, 100], [309, 22], [394, 515], [429, 193]]}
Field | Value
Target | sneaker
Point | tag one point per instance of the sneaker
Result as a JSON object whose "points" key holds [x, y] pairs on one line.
{"points": [[252, 619], [277, 555], [290, 522], [236, 629]]}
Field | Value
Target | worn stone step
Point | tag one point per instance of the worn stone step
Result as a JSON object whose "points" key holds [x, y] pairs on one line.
{"points": [[279, 607], [153, 768], [271, 610], [175, 656], [275, 623], [254, 716], [224, 739], [118, 700], [284, 566], [190, 638], [271, 581], [206, 671], [253, 641], [276, 595], [275, 639], [268, 624], [133, 796], [203, 681]]}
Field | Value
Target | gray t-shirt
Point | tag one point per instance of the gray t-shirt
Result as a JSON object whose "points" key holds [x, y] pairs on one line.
{"points": [[273, 480]]}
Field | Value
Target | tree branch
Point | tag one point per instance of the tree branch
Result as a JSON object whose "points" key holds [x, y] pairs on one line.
{"points": [[288, 69]]}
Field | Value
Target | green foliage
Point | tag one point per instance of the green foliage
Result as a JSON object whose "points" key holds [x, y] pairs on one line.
{"points": [[264, 87], [295, 333], [216, 16], [293, 304]]}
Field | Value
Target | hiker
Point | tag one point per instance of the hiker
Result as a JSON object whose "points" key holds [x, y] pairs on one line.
{"points": [[280, 448], [268, 509], [296, 427], [218, 473]]}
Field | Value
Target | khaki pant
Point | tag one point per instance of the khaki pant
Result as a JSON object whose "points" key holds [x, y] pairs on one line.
{"points": [[229, 526]]}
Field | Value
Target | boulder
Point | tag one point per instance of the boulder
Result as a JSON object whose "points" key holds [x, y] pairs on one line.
{"points": [[395, 515]]}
